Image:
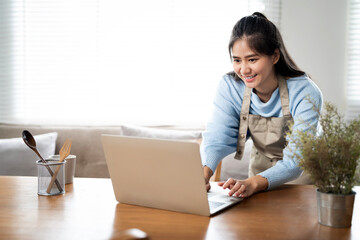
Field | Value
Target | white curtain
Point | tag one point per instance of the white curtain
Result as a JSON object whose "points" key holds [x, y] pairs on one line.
{"points": [[111, 62]]}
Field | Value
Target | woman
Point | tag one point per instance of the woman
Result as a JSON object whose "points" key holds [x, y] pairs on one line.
{"points": [[259, 99]]}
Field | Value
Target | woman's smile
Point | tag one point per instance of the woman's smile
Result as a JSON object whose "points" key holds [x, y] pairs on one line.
{"points": [[248, 78]]}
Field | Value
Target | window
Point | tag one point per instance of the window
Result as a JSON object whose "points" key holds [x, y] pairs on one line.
{"points": [[353, 60], [111, 62]]}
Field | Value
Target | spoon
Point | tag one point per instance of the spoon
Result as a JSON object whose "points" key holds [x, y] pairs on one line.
{"points": [[31, 143]]}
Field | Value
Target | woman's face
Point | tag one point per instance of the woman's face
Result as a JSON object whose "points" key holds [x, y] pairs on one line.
{"points": [[257, 71]]}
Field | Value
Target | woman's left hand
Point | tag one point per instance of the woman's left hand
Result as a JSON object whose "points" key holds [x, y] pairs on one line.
{"points": [[245, 188]]}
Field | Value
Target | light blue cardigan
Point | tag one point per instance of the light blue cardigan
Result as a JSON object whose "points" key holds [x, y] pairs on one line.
{"points": [[220, 137]]}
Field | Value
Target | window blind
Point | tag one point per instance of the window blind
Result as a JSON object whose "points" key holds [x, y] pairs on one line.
{"points": [[112, 62], [353, 60]]}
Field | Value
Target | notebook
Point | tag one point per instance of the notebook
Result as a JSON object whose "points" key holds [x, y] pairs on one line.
{"points": [[164, 174]]}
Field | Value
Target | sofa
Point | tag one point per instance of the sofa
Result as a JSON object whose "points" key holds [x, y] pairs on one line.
{"points": [[86, 145]]}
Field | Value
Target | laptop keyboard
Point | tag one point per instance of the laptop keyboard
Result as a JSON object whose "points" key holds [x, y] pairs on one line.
{"points": [[214, 205]]}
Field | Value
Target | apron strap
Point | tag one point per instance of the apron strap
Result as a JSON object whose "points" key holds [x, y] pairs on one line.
{"points": [[284, 96], [243, 123]]}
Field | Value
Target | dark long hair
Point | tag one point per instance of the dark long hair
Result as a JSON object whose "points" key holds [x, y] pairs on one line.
{"points": [[264, 38]]}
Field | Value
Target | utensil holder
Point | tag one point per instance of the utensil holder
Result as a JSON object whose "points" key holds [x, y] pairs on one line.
{"points": [[44, 177]]}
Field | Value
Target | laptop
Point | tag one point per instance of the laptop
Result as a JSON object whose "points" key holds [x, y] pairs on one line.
{"points": [[163, 174]]}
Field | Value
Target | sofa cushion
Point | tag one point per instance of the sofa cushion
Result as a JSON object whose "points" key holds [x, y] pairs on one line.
{"points": [[147, 132], [17, 159], [86, 144]]}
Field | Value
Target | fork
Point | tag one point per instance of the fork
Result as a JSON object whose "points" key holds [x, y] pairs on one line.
{"points": [[64, 152]]}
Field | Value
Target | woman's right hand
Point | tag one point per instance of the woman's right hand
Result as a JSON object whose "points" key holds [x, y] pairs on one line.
{"points": [[207, 174], [245, 188]]}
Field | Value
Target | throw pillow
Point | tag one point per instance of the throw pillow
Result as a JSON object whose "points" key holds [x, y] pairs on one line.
{"points": [[17, 159]]}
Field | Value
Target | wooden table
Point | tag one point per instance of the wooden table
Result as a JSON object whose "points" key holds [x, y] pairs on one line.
{"points": [[88, 210]]}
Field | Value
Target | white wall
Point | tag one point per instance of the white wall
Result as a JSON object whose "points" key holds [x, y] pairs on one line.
{"points": [[314, 32]]}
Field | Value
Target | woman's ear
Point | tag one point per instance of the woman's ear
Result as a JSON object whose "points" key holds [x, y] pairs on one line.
{"points": [[276, 56]]}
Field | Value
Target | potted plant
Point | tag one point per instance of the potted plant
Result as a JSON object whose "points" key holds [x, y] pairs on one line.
{"points": [[331, 158]]}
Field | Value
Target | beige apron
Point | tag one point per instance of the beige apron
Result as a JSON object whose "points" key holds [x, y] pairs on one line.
{"points": [[267, 133]]}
